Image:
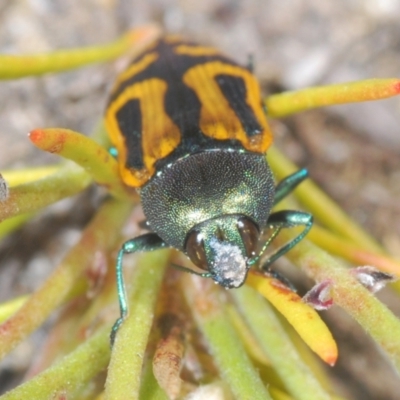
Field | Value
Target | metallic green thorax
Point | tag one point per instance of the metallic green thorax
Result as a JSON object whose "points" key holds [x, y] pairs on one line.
{"points": [[206, 186]]}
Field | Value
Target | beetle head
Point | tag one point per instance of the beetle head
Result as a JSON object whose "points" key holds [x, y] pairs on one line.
{"points": [[222, 246]]}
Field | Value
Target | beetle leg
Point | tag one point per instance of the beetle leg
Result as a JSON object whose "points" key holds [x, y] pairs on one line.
{"points": [[146, 242], [278, 276], [288, 184], [285, 219], [113, 151]]}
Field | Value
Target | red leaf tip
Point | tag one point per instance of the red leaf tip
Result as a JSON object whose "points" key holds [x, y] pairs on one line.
{"points": [[331, 361], [319, 297], [35, 135], [396, 87]]}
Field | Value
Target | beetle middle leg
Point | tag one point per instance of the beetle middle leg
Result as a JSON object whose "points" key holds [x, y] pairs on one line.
{"points": [[146, 242], [288, 184]]}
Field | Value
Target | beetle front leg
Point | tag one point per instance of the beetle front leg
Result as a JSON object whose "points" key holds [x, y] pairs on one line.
{"points": [[286, 219], [147, 242], [287, 185]]}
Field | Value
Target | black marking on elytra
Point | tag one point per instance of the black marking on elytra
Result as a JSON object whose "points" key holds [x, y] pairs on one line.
{"points": [[129, 120], [169, 66], [181, 104], [234, 90]]}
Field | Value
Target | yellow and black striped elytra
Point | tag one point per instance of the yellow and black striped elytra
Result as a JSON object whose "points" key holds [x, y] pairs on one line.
{"points": [[190, 131], [178, 98]]}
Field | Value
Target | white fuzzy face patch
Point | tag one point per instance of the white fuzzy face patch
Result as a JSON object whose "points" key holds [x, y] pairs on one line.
{"points": [[229, 268]]}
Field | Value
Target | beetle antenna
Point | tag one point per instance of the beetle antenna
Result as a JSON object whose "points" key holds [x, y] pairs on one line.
{"points": [[265, 246]]}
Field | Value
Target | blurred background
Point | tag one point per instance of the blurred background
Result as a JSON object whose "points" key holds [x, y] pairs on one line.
{"points": [[352, 151]]}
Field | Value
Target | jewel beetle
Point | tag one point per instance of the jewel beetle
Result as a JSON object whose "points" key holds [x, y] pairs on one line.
{"points": [[191, 135]]}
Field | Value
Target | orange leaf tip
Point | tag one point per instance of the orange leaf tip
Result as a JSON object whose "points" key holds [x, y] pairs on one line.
{"points": [[396, 87], [36, 135]]}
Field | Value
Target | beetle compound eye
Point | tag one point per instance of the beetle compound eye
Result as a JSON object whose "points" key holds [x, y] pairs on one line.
{"points": [[195, 250], [250, 235]]}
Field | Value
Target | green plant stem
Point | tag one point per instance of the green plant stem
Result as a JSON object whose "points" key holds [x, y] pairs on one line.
{"points": [[20, 176], [279, 105], [375, 318], [85, 152], [68, 375], [150, 390], [10, 307], [125, 369], [96, 238], [33, 196], [18, 66], [236, 369], [341, 247], [263, 322], [320, 205], [12, 224]]}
